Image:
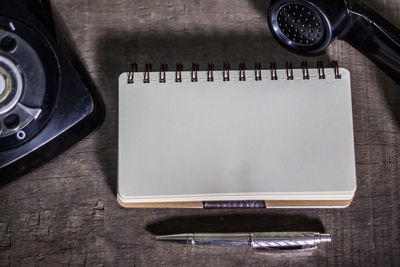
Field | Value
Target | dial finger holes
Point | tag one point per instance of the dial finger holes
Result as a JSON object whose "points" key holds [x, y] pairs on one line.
{"points": [[12, 121], [8, 44]]}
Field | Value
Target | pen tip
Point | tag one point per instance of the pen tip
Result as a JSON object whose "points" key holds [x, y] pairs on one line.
{"points": [[325, 238]]}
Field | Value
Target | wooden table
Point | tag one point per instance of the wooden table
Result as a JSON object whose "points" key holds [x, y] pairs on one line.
{"points": [[65, 213]]}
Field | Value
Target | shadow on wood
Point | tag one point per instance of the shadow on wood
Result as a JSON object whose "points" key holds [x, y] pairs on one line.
{"points": [[236, 223]]}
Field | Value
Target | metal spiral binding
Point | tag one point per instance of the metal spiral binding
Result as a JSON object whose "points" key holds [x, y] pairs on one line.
{"points": [[178, 72], [146, 78], [195, 69], [257, 71], [274, 75], [163, 70], [210, 72], [289, 70], [242, 72], [131, 73], [225, 72], [321, 70], [304, 67], [335, 67]]}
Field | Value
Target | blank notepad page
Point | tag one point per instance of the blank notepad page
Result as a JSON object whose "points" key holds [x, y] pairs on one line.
{"points": [[225, 140]]}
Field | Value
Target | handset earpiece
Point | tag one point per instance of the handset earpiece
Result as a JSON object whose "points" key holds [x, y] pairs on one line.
{"points": [[307, 27]]}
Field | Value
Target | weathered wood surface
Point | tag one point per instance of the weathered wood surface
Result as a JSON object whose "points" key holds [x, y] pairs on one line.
{"points": [[65, 213]]}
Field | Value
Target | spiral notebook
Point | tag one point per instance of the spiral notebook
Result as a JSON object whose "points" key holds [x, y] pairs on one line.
{"points": [[236, 138]]}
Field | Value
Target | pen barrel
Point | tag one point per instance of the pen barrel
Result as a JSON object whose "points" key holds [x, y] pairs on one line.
{"points": [[231, 239], [287, 239]]}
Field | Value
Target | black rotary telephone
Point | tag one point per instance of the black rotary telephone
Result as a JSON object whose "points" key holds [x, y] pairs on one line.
{"points": [[45, 107]]}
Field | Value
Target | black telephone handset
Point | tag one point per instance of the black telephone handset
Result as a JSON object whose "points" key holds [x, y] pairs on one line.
{"points": [[307, 27]]}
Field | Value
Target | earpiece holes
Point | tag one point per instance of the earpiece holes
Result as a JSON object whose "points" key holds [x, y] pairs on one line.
{"points": [[300, 24]]}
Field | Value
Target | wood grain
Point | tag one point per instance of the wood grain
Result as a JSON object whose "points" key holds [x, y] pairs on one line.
{"points": [[65, 213]]}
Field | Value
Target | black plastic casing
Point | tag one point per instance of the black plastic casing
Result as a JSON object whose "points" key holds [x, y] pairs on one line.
{"points": [[353, 22], [333, 13], [375, 37], [77, 109]]}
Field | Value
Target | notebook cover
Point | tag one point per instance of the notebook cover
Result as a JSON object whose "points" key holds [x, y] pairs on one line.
{"points": [[286, 142]]}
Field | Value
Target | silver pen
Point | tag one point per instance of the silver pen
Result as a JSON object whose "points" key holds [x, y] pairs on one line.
{"points": [[259, 240]]}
